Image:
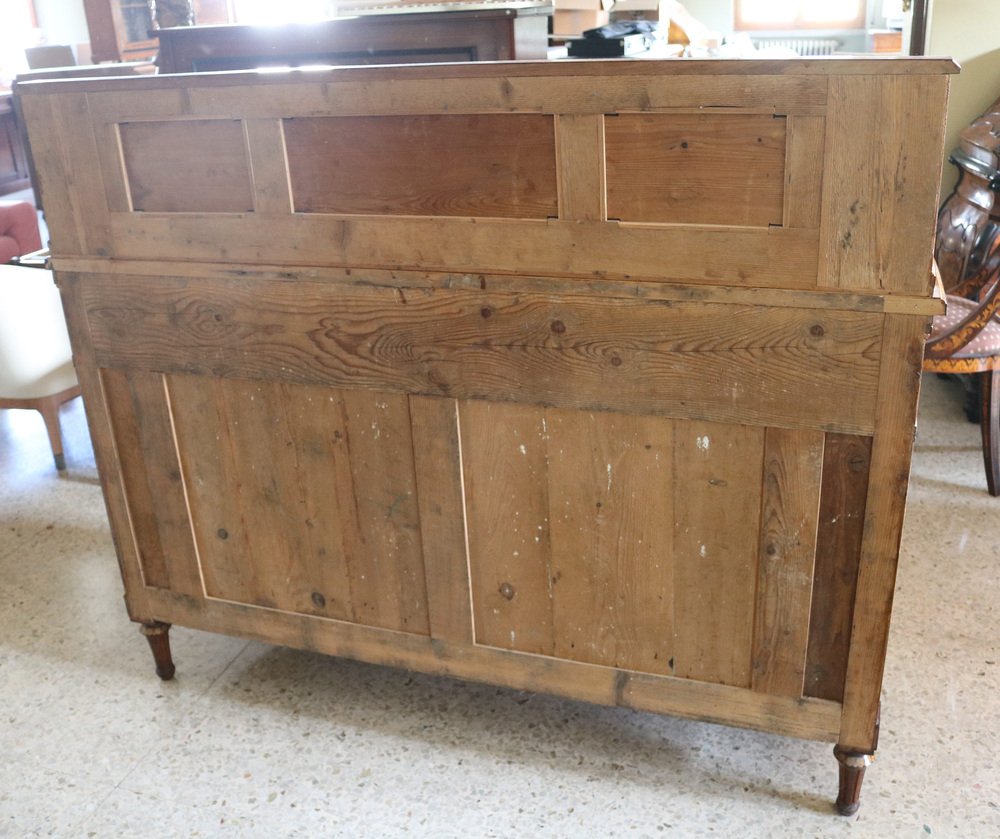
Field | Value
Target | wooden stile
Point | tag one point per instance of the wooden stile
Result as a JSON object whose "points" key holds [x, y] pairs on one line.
{"points": [[594, 378]]}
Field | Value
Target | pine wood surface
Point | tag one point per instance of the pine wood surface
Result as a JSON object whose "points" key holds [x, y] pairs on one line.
{"points": [[594, 378]]}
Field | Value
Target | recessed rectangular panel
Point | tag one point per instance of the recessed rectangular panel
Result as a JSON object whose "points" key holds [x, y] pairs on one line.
{"points": [[726, 169], [570, 544], [481, 165], [303, 499], [192, 166]]}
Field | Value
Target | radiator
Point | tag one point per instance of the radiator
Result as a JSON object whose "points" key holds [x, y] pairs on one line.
{"points": [[803, 46]]}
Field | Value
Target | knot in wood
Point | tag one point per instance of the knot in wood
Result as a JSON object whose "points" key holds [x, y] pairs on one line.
{"points": [[318, 600], [558, 327], [222, 533], [507, 591], [817, 330], [486, 312]]}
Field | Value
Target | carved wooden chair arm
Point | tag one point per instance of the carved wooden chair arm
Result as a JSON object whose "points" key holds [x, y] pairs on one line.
{"points": [[985, 279]]}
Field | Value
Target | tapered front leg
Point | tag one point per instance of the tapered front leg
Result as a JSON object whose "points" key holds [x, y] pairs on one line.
{"points": [[852, 774], [157, 634]]}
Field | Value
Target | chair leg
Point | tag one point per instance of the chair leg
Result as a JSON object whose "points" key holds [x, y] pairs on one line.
{"points": [[989, 423], [49, 409]]}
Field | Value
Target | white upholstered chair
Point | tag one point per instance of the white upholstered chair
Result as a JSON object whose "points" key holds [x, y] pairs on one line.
{"points": [[36, 363]]}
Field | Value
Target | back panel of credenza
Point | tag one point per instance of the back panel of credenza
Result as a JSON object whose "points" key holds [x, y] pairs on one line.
{"points": [[592, 379]]}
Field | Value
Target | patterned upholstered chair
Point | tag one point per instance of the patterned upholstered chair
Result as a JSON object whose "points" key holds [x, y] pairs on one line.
{"points": [[966, 340]]}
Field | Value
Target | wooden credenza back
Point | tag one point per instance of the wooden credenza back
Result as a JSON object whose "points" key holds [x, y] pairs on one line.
{"points": [[592, 378]]}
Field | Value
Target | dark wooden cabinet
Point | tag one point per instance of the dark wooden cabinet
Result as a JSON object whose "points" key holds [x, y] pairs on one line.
{"points": [[515, 31], [120, 29], [13, 165]]}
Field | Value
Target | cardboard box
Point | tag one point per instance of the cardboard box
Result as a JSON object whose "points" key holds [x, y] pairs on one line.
{"points": [[658, 10], [575, 21]]}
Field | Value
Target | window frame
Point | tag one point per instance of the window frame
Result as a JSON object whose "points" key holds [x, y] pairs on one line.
{"points": [[742, 25]]}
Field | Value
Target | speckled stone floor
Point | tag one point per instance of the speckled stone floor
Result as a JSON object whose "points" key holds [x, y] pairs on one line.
{"points": [[257, 741]]}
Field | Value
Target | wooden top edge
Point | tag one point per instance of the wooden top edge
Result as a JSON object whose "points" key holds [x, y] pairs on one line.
{"points": [[616, 68]]}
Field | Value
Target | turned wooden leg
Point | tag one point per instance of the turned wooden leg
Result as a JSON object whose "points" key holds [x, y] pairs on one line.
{"points": [[157, 634], [989, 424], [852, 774]]}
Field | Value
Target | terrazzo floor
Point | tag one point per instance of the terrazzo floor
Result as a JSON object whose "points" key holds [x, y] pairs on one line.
{"points": [[256, 741]]}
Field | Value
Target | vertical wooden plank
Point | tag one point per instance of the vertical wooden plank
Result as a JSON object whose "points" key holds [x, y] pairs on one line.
{"points": [[151, 468], [877, 227], [580, 172], [55, 183], [272, 191], [438, 470], [105, 449], [386, 564], [220, 451], [206, 453], [793, 462], [803, 171], [611, 502], [320, 582], [846, 461], [84, 188], [109, 152], [142, 508], [717, 498], [506, 494], [899, 385]]}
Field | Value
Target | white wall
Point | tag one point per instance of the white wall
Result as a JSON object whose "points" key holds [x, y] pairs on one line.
{"points": [[969, 32], [715, 14], [62, 21]]}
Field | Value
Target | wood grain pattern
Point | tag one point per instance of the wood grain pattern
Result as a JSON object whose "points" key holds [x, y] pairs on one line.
{"points": [[581, 170], [437, 460], [899, 386], [387, 582], [815, 719], [831, 299], [140, 417], [265, 143], [505, 437], [878, 226], [597, 88], [716, 524], [775, 257], [481, 165], [567, 351], [196, 166], [309, 529], [105, 450], [610, 490], [507, 503], [805, 152], [846, 464], [696, 168], [567, 547], [793, 462]]}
